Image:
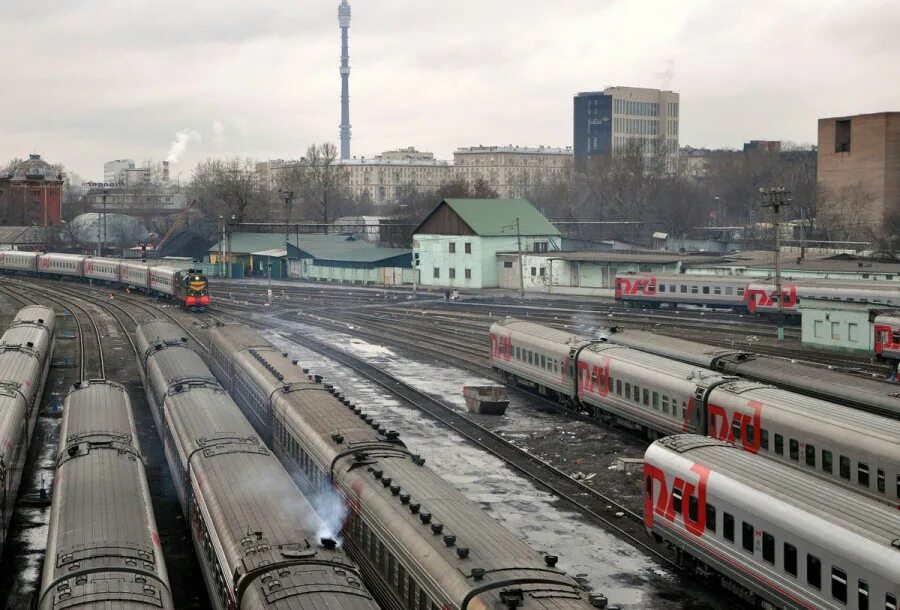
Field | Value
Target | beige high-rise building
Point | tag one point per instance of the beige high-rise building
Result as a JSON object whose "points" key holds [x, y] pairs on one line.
{"points": [[512, 171], [859, 163]]}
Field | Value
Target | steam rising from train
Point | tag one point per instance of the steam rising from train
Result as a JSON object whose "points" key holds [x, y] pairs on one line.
{"points": [[333, 511]]}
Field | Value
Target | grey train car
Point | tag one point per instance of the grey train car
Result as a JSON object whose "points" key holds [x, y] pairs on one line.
{"points": [[26, 349], [259, 542], [774, 535], [873, 395], [421, 543], [103, 548], [661, 396]]}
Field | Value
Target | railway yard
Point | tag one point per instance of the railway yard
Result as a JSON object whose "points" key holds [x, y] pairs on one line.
{"points": [[566, 482]]}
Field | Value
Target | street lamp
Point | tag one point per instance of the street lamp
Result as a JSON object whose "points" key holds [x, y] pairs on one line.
{"points": [[103, 243], [775, 197], [222, 245], [288, 197]]}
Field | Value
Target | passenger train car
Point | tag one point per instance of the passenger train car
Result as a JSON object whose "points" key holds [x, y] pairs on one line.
{"points": [[421, 543], [660, 396], [26, 349], [745, 294], [774, 535], [887, 336], [873, 395], [187, 286], [259, 542], [103, 547]]}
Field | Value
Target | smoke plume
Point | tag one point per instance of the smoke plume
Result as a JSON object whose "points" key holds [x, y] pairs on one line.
{"points": [[182, 139]]}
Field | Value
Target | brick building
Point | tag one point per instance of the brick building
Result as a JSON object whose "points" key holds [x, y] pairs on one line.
{"points": [[31, 194], [864, 149]]}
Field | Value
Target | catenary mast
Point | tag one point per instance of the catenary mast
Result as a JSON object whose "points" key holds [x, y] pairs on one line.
{"points": [[344, 22]]}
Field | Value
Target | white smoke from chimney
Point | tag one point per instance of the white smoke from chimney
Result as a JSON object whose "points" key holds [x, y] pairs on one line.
{"points": [[182, 139]]}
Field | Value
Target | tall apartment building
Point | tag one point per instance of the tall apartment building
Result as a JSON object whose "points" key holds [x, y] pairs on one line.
{"points": [[863, 151], [384, 177], [612, 119], [113, 170], [512, 171]]}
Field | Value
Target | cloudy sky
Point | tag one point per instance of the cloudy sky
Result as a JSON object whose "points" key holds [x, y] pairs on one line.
{"points": [[86, 81]]}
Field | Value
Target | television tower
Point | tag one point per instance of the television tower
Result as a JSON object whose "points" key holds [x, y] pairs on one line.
{"points": [[344, 22]]}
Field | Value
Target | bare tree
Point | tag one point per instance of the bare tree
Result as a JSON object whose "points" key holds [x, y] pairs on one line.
{"points": [[226, 187], [327, 179], [845, 214]]}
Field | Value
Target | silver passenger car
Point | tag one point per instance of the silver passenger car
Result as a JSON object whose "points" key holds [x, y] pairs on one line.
{"points": [[259, 542], [103, 547], [26, 349], [421, 543], [775, 534]]}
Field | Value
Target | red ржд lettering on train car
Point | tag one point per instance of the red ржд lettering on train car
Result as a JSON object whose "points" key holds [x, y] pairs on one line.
{"points": [[757, 297], [626, 286], [884, 339], [722, 427], [664, 504], [501, 347], [593, 378]]}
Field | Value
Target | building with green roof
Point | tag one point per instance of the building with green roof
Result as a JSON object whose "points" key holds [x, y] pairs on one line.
{"points": [[457, 244]]}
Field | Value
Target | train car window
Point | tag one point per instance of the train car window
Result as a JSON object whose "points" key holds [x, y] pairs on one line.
{"points": [[790, 559], [729, 290], [764, 438], [768, 547], [619, 387], [810, 455], [637, 394], [839, 584], [694, 290], [706, 290], [779, 444], [814, 571], [662, 287], [412, 593], [543, 361], [693, 508], [646, 397], [862, 474], [880, 480], [665, 403], [676, 499], [751, 434], [656, 401], [736, 430], [671, 287], [747, 536], [890, 601], [717, 290], [862, 595], [728, 527], [845, 467], [711, 518], [795, 449], [530, 357], [627, 390], [827, 461], [740, 291], [683, 288]]}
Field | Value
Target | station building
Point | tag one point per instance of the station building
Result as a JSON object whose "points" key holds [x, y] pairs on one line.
{"points": [[457, 244]]}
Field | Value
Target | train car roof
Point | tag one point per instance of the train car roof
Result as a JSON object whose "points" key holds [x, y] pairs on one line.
{"points": [[842, 507], [670, 347], [543, 332]]}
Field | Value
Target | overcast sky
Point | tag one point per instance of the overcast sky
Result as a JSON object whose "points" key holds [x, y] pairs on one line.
{"points": [[86, 81]]}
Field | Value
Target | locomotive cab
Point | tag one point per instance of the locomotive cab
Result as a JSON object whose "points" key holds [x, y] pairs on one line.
{"points": [[193, 290]]}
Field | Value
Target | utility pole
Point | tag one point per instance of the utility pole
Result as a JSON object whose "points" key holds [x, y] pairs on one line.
{"points": [[105, 193], [775, 197], [288, 197], [521, 268], [222, 246]]}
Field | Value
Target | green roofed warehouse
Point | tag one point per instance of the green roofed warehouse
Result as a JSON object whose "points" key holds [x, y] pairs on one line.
{"points": [[458, 242]]}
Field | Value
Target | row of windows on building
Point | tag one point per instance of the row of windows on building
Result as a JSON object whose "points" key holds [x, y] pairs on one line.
{"points": [[789, 558], [636, 108], [853, 332], [451, 273], [673, 126], [673, 108], [643, 127], [648, 146]]}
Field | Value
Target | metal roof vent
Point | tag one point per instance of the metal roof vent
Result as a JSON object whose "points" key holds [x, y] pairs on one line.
{"points": [[386, 481], [478, 573], [392, 435], [404, 498], [329, 543], [551, 560], [395, 489], [377, 473], [462, 552], [449, 539], [437, 528], [512, 598], [425, 517], [337, 438], [414, 507]]}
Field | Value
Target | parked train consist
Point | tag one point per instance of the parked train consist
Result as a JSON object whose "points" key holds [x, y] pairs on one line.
{"points": [[660, 396], [873, 395], [421, 543], [26, 349], [259, 542], [103, 547], [744, 294], [188, 287], [774, 535]]}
